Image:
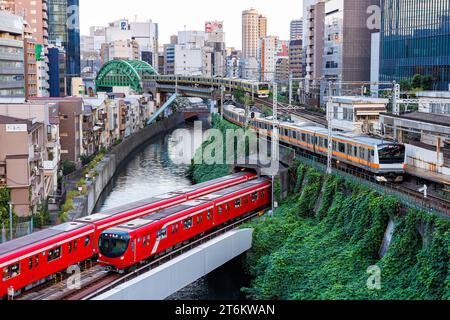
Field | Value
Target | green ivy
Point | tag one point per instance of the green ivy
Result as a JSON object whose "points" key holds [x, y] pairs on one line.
{"points": [[301, 255]]}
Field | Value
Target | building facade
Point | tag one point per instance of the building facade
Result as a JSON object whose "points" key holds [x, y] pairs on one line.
{"points": [[12, 68], [415, 39], [296, 29], [295, 58], [254, 27]]}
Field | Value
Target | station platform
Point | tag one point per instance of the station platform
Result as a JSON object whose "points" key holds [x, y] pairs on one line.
{"points": [[428, 175]]}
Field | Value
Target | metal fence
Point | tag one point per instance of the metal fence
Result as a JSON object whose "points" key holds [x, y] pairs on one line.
{"points": [[407, 198], [19, 229]]}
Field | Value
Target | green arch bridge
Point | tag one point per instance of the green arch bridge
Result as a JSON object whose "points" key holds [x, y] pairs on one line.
{"points": [[123, 73]]}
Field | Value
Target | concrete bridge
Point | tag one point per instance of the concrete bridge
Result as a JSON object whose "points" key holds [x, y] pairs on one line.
{"points": [[164, 280]]}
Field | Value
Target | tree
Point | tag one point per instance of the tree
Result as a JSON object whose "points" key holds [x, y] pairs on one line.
{"points": [[405, 85], [427, 82], [417, 81]]}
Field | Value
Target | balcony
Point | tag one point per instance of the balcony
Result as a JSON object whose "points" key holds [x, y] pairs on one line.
{"points": [[12, 84], [50, 165], [11, 56]]}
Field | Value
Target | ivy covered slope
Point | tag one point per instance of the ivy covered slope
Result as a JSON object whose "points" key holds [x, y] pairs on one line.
{"points": [[325, 236], [201, 172]]}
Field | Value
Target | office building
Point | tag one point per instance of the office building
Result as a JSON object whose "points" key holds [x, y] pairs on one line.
{"points": [[296, 29], [415, 39]]}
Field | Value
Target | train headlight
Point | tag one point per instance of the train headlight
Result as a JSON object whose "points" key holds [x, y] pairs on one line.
{"points": [[122, 258]]}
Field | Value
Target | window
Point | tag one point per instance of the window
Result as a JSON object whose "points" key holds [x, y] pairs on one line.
{"points": [[30, 263], [238, 203], [87, 240], [227, 207], [36, 261], [162, 234], [54, 254], [255, 196], [341, 147], [199, 218], [75, 245], [208, 216], [188, 224], [11, 271], [70, 247]]}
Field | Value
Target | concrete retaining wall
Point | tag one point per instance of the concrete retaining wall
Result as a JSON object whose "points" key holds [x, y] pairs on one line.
{"points": [[181, 271], [85, 204]]}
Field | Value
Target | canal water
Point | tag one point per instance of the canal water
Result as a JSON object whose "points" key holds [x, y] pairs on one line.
{"points": [[150, 171]]}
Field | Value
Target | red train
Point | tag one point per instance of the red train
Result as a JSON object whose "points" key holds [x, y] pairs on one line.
{"points": [[27, 261], [139, 240]]}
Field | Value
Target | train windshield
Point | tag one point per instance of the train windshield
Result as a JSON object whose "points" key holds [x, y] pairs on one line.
{"points": [[391, 153], [264, 86], [112, 244]]}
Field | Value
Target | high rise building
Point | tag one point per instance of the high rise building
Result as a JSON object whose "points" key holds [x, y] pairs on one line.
{"points": [[64, 31], [12, 70], [169, 59], [254, 27], [295, 58], [415, 39], [347, 45], [215, 40], [35, 15], [314, 44], [296, 29], [144, 33], [29, 50], [267, 57]]}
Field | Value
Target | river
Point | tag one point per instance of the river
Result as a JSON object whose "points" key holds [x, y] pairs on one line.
{"points": [[150, 171]]}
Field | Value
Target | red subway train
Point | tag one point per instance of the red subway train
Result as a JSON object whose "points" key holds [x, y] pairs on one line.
{"points": [[139, 240], [30, 260]]}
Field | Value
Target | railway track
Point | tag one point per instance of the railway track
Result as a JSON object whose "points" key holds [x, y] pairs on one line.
{"points": [[301, 112]]}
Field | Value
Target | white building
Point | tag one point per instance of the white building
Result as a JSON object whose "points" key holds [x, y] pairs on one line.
{"points": [[267, 57], [358, 114], [188, 59], [144, 33], [249, 68]]}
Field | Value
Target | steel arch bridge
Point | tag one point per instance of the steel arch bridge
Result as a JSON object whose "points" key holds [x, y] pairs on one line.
{"points": [[123, 73]]}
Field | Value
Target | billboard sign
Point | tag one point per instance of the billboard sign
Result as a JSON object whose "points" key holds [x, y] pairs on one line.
{"points": [[213, 26]]}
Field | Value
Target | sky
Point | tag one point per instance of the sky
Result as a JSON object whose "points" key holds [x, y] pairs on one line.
{"points": [[173, 15]]}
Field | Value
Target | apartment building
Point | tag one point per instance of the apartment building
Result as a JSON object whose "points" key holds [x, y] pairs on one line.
{"points": [[12, 70], [21, 162], [254, 27]]}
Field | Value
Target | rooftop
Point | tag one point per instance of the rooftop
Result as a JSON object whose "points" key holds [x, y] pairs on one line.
{"points": [[432, 118]]}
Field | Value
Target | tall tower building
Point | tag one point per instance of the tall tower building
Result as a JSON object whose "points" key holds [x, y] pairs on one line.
{"points": [[296, 29], [254, 27]]}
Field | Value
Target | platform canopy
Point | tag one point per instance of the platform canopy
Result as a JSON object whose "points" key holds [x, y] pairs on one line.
{"points": [[123, 73]]}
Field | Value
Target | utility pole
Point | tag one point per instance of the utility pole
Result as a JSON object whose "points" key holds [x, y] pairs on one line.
{"points": [[395, 105], [10, 221], [290, 89], [330, 129], [274, 139]]}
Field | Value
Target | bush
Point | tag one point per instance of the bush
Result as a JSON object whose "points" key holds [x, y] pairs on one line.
{"points": [[68, 167]]}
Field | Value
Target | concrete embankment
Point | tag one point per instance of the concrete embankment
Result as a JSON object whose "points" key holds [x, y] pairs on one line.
{"points": [[85, 204]]}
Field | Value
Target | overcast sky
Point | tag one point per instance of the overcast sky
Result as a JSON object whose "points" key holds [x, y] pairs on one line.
{"points": [[173, 15]]}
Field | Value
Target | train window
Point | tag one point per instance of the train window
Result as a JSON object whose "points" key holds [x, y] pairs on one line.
{"points": [[54, 254], [325, 143], [70, 247], [132, 246], [334, 145], [304, 137], [219, 210], [162, 234], [245, 199], [372, 153], [87, 240], [36, 261], [227, 207], [30, 263], [362, 153], [255, 196], [341, 147], [139, 240], [11, 271], [199, 218], [75, 245], [238, 203], [355, 151], [188, 224], [208, 216], [349, 150]]}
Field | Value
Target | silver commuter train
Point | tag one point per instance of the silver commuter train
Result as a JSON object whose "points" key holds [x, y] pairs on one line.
{"points": [[384, 160]]}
